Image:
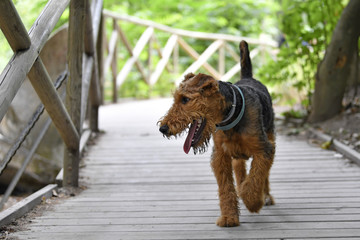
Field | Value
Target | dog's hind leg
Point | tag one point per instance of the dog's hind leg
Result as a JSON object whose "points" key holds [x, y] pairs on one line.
{"points": [[269, 200], [221, 165]]}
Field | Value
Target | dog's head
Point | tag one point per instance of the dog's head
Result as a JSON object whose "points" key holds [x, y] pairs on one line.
{"points": [[196, 107]]}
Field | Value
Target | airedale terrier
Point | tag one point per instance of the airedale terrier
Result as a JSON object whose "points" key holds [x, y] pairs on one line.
{"points": [[240, 118]]}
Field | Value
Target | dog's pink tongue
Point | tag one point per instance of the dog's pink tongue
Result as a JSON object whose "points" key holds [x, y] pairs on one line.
{"points": [[187, 144]]}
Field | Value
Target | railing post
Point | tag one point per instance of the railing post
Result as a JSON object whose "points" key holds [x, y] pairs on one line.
{"points": [[114, 70], [222, 60], [74, 86], [100, 46], [176, 58]]}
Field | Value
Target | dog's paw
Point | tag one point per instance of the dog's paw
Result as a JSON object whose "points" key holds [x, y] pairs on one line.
{"points": [[269, 200], [228, 221], [252, 197]]}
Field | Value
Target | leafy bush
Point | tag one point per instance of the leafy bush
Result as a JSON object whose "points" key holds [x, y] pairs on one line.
{"points": [[307, 27]]}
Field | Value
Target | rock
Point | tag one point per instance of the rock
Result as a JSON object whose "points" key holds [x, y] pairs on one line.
{"points": [[48, 158]]}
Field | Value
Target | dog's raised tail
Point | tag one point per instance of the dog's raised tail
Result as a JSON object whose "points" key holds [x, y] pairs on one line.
{"points": [[245, 62]]}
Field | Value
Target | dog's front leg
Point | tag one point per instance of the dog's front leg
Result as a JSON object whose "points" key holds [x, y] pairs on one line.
{"points": [[221, 165]]}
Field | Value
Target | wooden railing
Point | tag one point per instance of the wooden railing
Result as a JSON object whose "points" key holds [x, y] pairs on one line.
{"points": [[88, 65], [222, 44], [83, 73]]}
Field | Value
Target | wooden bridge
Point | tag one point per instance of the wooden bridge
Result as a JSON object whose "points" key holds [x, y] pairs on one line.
{"points": [[138, 184]]}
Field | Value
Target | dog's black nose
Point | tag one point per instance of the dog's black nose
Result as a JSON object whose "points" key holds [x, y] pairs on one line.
{"points": [[164, 129]]}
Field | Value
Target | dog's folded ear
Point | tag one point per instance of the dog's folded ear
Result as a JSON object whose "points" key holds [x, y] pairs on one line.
{"points": [[188, 76], [209, 87]]}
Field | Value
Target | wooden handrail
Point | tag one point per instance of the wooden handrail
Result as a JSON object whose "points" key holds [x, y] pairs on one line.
{"points": [[48, 95], [187, 33], [83, 71], [220, 45]]}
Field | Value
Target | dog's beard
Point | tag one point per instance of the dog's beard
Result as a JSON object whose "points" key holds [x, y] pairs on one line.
{"points": [[202, 147]]}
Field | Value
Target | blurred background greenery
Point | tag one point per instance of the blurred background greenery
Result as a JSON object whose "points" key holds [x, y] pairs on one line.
{"points": [[303, 29]]}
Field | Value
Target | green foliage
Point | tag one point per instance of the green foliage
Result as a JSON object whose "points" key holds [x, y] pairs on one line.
{"points": [[242, 18], [28, 11], [307, 27]]}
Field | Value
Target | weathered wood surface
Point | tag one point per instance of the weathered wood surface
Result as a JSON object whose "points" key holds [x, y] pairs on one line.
{"points": [[142, 186], [20, 64], [77, 10]]}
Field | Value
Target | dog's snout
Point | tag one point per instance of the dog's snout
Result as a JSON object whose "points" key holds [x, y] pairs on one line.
{"points": [[164, 129]]}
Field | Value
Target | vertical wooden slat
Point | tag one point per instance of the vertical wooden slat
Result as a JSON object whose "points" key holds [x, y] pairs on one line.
{"points": [[176, 58], [129, 49], [137, 50], [96, 97], [149, 60], [222, 60], [100, 54], [114, 67], [53, 104], [164, 60], [74, 85]]}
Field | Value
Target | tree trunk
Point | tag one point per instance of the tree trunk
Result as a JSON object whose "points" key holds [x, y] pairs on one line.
{"points": [[338, 66]]}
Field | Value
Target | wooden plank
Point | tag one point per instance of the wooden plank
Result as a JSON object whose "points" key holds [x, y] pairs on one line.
{"points": [[100, 48], [242, 232], [74, 86], [176, 58], [186, 33], [12, 27], [196, 56], [157, 48], [53, 104], [168, 49], [193, 220], [20, 64], [145, 37], [201, 206], [25, 205], [202, 59], [96, 12], [129, 49], [73, 213], [114, 69], [221, 61], [111, 50]]}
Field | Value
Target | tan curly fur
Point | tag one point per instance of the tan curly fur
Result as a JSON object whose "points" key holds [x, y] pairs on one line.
{"points": [[202, 97]]}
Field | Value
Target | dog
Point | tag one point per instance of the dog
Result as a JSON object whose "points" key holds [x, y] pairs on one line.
{"points": [[240, 118]]}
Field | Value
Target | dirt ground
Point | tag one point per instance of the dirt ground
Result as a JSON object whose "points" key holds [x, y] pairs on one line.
{"points": [[21, 224], [345, 127]]}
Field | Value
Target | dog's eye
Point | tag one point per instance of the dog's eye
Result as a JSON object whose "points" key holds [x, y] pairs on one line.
{"points": [[184, 100]]}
